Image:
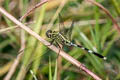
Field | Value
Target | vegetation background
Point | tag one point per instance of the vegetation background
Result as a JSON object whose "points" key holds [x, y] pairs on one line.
{"points": [[92, 29]]}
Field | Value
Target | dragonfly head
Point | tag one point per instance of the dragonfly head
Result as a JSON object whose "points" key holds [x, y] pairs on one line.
{"points": [[48, 33]]}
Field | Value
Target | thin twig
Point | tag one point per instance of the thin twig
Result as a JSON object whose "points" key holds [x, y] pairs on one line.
{"points": [[13, 27], [68, 23], [107, 12], [17, 60], [52, 47], [32, 9]]}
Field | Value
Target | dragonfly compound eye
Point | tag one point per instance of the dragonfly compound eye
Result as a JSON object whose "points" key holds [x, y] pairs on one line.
{"points": [[48, 33]]}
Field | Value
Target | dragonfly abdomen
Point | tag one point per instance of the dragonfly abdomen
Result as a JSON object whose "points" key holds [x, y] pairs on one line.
{"points": [[89, 51]]}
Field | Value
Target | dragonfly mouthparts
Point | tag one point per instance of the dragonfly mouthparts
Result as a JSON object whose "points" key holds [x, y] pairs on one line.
{"points": [[48, 33]]}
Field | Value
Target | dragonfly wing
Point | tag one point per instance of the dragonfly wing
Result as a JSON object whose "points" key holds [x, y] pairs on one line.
{"points": [[61, 25], [69, 32], [64, 31]]}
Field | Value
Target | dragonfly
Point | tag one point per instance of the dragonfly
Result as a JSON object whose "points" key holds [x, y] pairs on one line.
{"points": [[59, 38]]}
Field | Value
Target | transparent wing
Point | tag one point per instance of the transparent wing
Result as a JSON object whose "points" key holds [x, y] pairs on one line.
{"points": [[61, 25], [69, 32], [65, 31]]}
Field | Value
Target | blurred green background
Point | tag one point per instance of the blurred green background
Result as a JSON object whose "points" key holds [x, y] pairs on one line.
{"points": [[92, 29]]}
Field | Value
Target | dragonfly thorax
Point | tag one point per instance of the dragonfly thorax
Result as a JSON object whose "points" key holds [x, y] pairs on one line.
{"points": [[51, 34]]}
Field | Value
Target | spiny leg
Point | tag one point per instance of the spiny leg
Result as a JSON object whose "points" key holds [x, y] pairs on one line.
{"points": [[60, 48], [59, 61], [51, 42]]}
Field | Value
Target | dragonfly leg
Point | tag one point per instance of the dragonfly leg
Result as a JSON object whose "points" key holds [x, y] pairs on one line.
{"points": [[60, 48], [51, 42]]}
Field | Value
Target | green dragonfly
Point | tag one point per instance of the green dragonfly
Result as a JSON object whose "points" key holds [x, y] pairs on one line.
{"points": [[59, 38]]}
